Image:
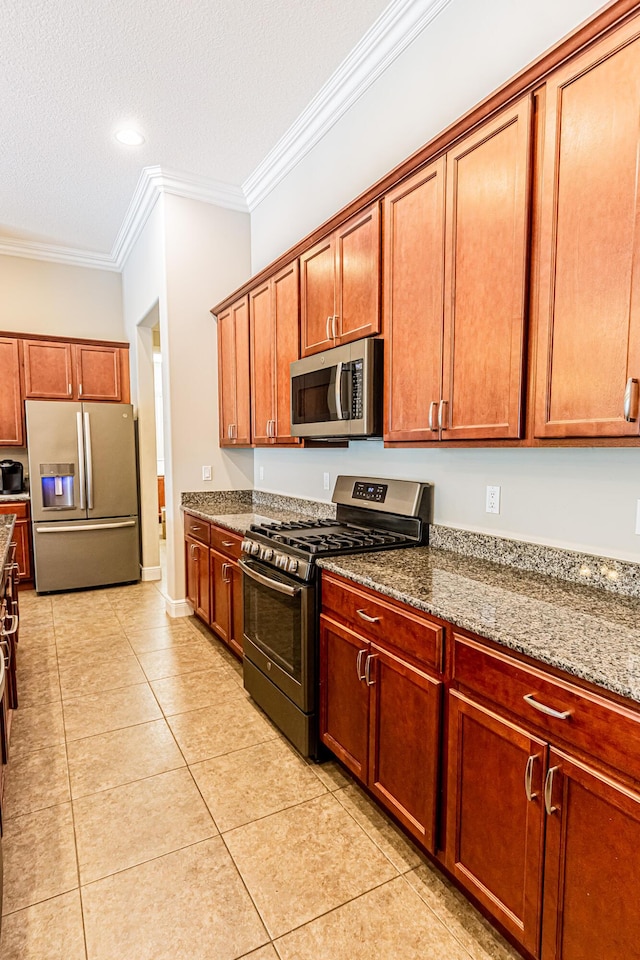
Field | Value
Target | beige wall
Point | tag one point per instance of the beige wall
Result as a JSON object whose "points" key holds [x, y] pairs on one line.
{"points": [[60, 300]]}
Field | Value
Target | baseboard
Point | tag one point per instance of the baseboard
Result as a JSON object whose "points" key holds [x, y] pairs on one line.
{"points": [[151, 573], [178, 608]]}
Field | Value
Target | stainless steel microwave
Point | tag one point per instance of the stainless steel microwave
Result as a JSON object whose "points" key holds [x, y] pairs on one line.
{"points": [[338, 393]]}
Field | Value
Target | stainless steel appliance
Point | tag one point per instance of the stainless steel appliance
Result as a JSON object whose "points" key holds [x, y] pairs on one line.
{"points": [[84, 495], [280, 590], [11, 476], [338, 393]]}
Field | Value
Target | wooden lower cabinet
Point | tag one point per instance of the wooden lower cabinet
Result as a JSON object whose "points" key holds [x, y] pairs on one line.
{"points": [[220, 594], [197, 569], [381, 716], [494, 832], [592, 867], [21, 536]]}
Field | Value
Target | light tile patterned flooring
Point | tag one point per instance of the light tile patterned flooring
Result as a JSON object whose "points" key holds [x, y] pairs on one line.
{"points": [[153, 812]]}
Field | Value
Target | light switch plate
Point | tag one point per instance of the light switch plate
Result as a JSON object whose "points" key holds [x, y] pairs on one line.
{"points": [[206, 473], [326, 481]]}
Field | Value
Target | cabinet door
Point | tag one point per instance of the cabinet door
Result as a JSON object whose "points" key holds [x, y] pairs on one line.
{"points": [[588, 303], [97, 372], [197, 566], [317, 297], [262, 363], [592, 869], [404, 742], [286, 305], [494, 832], [234, 383], [47, 370], [22, 536], [191, 571], [220, 594], [11, 412], [413, 304], [344, 696], [236, 620], [487, 225], [357, 247]]}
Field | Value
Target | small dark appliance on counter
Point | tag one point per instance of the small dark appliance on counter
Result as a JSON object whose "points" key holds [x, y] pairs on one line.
{"points": [[12, 476]]}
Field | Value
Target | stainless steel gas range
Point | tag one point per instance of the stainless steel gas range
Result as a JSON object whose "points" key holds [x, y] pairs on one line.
{"points": [[281, 595]]}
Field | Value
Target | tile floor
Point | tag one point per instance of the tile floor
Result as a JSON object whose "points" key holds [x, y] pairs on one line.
{"points": [[153, 812]]}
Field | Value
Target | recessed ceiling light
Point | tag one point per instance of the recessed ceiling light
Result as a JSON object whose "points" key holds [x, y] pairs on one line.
{"points": [[129, 136]]}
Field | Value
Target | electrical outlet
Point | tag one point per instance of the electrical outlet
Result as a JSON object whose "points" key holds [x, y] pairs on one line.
{"points": [[261, 473], [206, 473], [493, 500], [638, 516], [326, 481]]}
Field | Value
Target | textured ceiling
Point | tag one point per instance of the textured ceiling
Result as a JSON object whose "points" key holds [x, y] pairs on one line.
{"points": [[213, 84]]}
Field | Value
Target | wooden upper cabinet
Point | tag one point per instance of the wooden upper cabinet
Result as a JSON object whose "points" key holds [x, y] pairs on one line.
{"points": [[98, 372], [588, 313], [233, 375], [486, 271], [11, 418], [592, 868], [413, 304], [275, 343], [340, 285], [48, 370]]}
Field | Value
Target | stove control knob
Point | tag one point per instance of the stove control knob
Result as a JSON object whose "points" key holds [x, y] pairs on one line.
{"points": [[254, 549], [281, 561], [245, 546], [266, 553], [292, 565]]}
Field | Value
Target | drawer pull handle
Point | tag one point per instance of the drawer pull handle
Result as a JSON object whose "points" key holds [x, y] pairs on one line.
{"points": [[361, 654], [365, 616], [12, 629], [367, 670], [194, 526], [528, 779], [228, 543], [6, 653], [543, 708], [548, 790]]}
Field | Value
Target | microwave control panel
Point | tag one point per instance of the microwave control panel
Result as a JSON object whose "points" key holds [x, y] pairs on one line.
{"points": [[375, 492], [356, 390]]}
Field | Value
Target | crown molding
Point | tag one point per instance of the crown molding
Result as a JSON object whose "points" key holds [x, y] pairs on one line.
{"points": [[157, 180], [392, 33], [54, 253]]}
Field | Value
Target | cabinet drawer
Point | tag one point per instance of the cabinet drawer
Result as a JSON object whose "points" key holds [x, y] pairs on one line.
{"points": [[19, 507], [382, 621], [196, 528], [226, 542], [583, 720]]}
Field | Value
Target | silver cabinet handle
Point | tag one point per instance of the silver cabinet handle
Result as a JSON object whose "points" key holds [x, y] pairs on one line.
{"points": [[334, 325], [6, 653], [225, 568], [441, 406], [548, 790], [195, 526], [79, 389], [12, 629], [528, 779], [543, 708], [361, 654], [631, 400], [70, 390], [228, 543], [365, 616], [235, 431], [89, 457], [434, 403], [191, 549], [367, 670], [81, 476], [329, 319]]}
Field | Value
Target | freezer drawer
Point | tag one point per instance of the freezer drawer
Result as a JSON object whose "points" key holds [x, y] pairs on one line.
{"points": [[85, 553]]}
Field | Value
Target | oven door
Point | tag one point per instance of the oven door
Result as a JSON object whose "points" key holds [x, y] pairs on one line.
{"points": [[279, 630]]}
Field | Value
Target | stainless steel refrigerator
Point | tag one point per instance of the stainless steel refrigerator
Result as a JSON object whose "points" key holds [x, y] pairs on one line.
{"points": [[84, 494]]}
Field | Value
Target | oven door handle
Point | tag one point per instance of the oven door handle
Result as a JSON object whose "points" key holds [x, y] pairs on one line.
{"points": [[338, 388], [290, 591]]}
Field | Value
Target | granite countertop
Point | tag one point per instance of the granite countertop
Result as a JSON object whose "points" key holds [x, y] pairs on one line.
{"points": [[13, 497], [6, 533], [584, 631], [236, 510]]}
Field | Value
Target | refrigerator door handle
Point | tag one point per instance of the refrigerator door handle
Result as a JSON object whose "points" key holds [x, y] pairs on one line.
{"points": [[82, 528], [81, 476], [88, 455]]}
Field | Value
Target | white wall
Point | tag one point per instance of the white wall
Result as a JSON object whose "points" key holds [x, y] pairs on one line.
{"points": [[207, 251], [579, 498], [60, 300]]}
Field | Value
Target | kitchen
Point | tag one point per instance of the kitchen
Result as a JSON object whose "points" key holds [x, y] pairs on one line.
{"points": [[548, 495]]}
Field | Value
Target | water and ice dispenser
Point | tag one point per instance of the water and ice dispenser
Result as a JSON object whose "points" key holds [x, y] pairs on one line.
{"points": [[57, 486]]}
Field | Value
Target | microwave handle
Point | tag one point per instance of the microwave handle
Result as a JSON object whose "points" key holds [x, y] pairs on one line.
{"points": [[338, 388]]}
